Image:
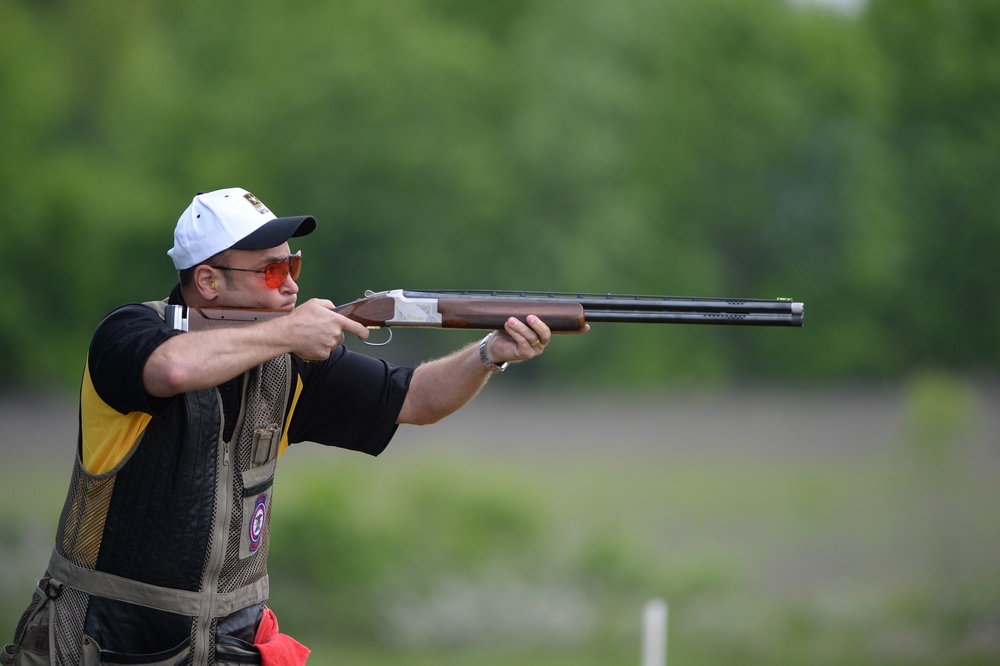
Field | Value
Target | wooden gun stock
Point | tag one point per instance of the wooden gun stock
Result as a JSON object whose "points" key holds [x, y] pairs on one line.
{"points": [[206, 319], [560, 317], [373, 311]]}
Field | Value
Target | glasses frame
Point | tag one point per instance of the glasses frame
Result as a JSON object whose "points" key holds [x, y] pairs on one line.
{"points": [[275, 272]]}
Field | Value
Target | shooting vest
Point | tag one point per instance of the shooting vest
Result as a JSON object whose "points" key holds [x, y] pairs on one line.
{"points": [[180, 528]]}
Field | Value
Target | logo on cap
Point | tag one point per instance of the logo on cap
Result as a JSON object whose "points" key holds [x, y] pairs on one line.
{"points": [[256, 203]]}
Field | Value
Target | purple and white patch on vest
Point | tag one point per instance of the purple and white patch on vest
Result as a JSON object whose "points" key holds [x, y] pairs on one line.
{"points": [[257, 522]]}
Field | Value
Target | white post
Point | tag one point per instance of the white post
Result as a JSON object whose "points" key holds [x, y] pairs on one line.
{"points": [[654, 633]]}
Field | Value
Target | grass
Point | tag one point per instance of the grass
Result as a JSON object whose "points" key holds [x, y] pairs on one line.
{"points": [[468, 555], [879, 562]]}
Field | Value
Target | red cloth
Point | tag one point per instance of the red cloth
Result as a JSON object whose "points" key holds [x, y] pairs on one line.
{"points": [[278, 649]]}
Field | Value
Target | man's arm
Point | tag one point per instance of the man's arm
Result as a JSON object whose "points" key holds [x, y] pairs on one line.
{"points": [[442, 386], [203, 359]]}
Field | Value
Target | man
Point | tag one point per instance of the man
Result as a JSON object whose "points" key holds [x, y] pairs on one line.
{"points": [[161, 548]]}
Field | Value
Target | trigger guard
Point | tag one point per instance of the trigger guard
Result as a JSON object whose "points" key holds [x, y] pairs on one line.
{"points": [[380, 344]]}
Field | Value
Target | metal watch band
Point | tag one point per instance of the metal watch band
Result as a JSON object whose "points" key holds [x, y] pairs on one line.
{"points": [[484, 357]]}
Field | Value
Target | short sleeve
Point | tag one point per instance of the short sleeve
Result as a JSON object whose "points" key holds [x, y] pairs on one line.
{"points": [[118, 353], [350, 401]]}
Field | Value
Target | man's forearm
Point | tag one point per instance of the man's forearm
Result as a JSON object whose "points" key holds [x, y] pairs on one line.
{"points": [[440, 387], [201, 360]]}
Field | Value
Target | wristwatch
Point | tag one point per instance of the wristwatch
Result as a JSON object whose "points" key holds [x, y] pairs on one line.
{"points": [[484, 357]]}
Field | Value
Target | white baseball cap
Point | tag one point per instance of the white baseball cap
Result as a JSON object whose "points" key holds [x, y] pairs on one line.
{"points": [[230, 219]]}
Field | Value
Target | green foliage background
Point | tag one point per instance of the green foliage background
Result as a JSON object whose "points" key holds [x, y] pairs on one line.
{"points": [[718, 148], [744, 148]]}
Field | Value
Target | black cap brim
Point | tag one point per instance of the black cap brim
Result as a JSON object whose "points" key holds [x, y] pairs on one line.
{"points": [[276, 232]]}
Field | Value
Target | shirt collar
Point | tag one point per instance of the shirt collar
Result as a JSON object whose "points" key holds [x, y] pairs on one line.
{"points": [[175, 297]]}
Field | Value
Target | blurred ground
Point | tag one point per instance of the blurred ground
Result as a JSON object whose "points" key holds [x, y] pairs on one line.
{"points": [[751, 424], [737, 424], [779, 504]]}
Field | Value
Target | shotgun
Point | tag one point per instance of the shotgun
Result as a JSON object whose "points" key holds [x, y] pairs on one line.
{"points": [[488, 310]]}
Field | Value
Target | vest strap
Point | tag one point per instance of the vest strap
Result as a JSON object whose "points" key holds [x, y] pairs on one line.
{"points": [[185, 602]]}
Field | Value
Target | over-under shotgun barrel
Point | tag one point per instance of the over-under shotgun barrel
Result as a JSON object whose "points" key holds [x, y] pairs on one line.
{"points": [[625, 308], [562, 312]]}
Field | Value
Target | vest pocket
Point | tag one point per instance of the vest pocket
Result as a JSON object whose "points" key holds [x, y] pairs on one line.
{"points": [[33, 643], [94, 656], [257, 486], [232, 651], [265, 444], [90, 655]]}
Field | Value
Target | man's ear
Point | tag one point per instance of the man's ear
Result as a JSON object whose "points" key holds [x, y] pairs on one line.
{"points": [[207, 282]]}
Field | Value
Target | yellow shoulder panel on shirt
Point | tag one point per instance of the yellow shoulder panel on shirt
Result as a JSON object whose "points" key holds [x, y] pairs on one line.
{"points": [[283, 444], [108, 435]]}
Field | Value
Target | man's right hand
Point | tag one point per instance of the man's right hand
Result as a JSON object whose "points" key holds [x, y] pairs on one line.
{"points": [[203, 359], [315, 330]]}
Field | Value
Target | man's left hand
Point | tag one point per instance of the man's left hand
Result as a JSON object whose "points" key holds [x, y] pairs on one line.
{"points": [[518, 341]]}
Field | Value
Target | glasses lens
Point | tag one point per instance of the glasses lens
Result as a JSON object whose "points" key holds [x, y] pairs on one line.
{"points": [[275, 274]]}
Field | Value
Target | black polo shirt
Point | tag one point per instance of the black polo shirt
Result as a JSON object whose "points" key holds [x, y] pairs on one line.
{"points": [[349, 401]]}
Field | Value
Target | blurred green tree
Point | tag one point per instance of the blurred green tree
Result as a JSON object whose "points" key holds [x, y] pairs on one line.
{"points": [[944, 92], [716, 148]]}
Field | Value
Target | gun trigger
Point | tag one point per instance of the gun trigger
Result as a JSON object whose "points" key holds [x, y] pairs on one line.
{"points": [[379, 344]]}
